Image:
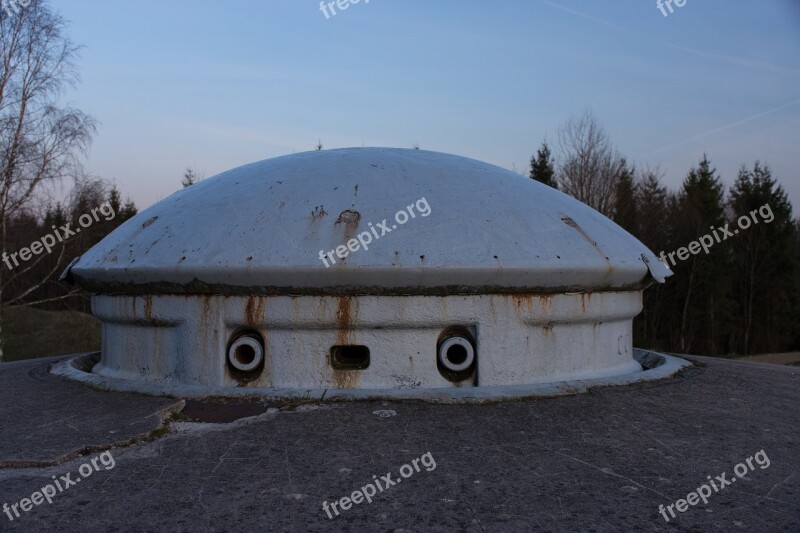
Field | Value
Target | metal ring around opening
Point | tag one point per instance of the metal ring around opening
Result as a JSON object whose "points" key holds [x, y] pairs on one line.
{"points": [[245, 344], [444, 357]]}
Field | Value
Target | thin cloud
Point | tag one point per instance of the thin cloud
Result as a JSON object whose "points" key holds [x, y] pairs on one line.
{"points": [[725, 127], [740, 62], [736, 60]]}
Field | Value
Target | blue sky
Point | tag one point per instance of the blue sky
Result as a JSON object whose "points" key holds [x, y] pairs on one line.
{"points": [[215, 85]]}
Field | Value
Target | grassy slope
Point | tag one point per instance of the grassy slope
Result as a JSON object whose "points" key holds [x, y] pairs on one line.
{"points": [[29, 333]]}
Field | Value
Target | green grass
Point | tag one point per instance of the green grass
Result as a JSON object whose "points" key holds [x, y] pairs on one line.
{"points": [[29, 333]]}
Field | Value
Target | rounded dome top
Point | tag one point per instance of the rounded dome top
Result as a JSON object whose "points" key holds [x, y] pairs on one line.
{"points": [[367, 221]]}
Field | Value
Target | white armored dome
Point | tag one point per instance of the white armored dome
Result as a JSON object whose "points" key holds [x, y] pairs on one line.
{"points": [[469, 227], [365, 271]]}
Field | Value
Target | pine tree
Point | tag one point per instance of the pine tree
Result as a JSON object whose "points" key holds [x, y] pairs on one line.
{"points": [[122, 211], [652, 202], [766, 263], [795, 288], [625, 199], [652, 229], [189, 178], [129, 210], [542, 167], [700, 310]]}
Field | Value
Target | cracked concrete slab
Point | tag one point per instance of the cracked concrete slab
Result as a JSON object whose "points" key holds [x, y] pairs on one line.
{"points": [[47, 420], [600, 461]]}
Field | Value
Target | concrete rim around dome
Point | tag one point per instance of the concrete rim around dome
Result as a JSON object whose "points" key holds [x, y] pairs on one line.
{"points": [[260, 228], [655, 365]]}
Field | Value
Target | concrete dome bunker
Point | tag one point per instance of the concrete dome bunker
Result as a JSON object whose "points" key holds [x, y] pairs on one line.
{"points": [[261, 280]]}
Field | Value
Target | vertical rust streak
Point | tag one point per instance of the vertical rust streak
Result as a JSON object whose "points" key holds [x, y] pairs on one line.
{"points": [[343, 320], [148, 307], [254, 310], [345, 379]]}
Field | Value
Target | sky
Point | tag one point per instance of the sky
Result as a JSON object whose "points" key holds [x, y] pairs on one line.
{"points": [[214, 85]]}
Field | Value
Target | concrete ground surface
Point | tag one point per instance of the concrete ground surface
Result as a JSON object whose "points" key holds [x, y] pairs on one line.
{"points": [[600, 461]]}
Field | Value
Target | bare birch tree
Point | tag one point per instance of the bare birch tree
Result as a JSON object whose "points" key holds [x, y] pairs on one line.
{"points": [[38, 139], [589, 165]]}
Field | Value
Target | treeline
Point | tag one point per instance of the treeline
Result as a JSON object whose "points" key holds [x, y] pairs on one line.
{"points": [[743, 295], [35, 281]]}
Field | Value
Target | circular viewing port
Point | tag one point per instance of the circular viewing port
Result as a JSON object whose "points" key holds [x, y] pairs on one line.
{"points": [[456, 354], [246, 353]]}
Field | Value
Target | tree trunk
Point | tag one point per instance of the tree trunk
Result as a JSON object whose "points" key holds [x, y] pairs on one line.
{"points": [[749, 313], [1, 333], [2, 307], [1, 315], [685, 312]]}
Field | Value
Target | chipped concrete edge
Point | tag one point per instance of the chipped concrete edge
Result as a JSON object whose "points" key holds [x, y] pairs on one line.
{"points": [[655, 366], [161, 428]]}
